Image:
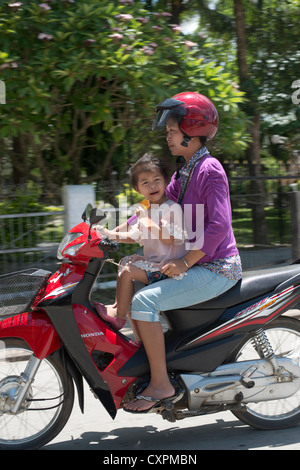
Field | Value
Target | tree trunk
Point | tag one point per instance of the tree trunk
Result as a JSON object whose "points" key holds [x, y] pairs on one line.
{"points": [[18, 158], [257, 191], [260, 232], [177, 9]]}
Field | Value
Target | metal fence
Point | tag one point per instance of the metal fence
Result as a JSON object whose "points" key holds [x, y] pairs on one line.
{"points": [[29, 238], [276, 200]]}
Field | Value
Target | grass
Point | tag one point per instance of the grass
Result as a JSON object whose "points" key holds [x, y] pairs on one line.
{"points": [[278, 223]]}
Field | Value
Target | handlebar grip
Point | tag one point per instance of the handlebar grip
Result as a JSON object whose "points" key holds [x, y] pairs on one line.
{"points": [[108, 245]]}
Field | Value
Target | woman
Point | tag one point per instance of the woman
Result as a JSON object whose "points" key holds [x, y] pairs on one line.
{"points": [[212, 264]]}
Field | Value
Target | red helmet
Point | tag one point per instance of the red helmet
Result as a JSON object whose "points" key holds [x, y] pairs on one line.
{"points": [[195, 114]]}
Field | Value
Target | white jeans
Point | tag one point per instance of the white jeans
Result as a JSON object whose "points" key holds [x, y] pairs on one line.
{"points": [[199, 285]]}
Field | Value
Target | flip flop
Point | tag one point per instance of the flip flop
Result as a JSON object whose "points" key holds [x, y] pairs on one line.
{"points": [[116, 322], [157, 402]]}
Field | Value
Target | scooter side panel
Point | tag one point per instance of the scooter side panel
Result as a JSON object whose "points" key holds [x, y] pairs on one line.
{"points": [[248, 318], [35, 328], [84, 333], [62, 282], [101, 339], [204, 358], [65, 324]]}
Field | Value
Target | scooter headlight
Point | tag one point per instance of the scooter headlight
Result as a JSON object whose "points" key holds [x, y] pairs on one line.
{"points": [[72, 250]]}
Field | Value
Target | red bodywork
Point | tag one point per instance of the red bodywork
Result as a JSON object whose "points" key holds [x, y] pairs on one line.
{"points": [[37, 330]]}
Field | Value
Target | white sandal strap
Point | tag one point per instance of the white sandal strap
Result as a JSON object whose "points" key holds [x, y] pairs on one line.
{"points": [[142, 397]]}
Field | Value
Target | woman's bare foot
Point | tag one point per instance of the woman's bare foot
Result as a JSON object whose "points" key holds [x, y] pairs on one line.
{"points": [[141, 405]]}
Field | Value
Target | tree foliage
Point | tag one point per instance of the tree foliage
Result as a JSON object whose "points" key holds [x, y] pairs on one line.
{"points": [[82, 81], [265, 36], [272, 43]]}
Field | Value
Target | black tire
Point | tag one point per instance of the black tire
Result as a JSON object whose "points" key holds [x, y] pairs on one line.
{"points": [[286, 412], [40, 420]]}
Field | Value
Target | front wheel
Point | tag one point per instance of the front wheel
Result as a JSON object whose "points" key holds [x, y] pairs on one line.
{"points": [[47, 404], [284, 337]]}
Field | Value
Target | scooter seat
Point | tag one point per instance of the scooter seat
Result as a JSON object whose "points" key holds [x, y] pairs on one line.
{"points": [[253, 284]]}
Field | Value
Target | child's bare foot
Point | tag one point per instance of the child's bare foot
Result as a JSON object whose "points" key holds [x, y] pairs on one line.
{"points": [[111, 311], [116, 322]]}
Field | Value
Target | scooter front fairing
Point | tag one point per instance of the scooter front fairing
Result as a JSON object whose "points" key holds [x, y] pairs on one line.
{"points": [[35, 328], [64, 316], [95, 347]]}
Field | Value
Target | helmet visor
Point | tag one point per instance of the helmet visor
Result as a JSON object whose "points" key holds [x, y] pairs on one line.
{"points": [[169, 109]]}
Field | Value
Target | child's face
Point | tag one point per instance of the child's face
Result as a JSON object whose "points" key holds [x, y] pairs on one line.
{"points": [[152, 185]]}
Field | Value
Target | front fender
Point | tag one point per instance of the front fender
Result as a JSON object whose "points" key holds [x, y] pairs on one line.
{"points": [[35, 328]]}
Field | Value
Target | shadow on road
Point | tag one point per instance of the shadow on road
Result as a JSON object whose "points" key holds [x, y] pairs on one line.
{"points": [[219, 435]]}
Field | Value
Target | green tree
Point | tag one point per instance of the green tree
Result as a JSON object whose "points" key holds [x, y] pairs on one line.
{"points": [[83, 78], [265, 38]]}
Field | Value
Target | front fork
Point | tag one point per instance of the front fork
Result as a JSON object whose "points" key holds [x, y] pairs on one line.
{"points": [[26, 379]]}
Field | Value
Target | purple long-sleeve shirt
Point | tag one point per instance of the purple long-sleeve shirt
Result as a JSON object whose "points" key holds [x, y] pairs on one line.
{"points": [[208, 187]]}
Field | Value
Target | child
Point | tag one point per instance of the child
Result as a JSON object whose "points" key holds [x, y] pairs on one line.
{"points": [[158, 228]]}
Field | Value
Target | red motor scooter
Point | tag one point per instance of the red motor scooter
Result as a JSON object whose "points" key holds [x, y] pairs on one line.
{"points": [[236, 352]]}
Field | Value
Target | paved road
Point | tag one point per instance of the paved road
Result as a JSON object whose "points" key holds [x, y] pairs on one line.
{"points": [[95, 430]]}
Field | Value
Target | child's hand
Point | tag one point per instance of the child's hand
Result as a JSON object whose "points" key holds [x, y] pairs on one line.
{"points": [[103, 230]]}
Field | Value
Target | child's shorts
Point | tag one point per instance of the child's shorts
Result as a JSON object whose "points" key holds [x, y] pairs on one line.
{"points": [[155, 276]]}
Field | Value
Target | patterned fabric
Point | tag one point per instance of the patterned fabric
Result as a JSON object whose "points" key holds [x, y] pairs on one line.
{"points": [[151, 268], [187, 170], [155, 276], [230, 267]]}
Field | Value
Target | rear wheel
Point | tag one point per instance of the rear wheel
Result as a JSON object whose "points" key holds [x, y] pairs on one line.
{"points": [[47, 404], [284, 337]]}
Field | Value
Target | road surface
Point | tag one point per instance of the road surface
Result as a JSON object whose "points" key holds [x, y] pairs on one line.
{"points": [[95, 430]]}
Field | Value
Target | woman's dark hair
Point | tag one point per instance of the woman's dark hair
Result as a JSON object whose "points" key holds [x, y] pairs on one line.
{"points": [[147, 163], [203, 140]]}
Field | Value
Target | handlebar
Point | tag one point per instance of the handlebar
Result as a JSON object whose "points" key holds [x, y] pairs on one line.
{"points": [[108, 245]]}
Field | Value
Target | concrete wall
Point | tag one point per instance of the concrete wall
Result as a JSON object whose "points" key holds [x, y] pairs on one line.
{"points": [[75, 198]]}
